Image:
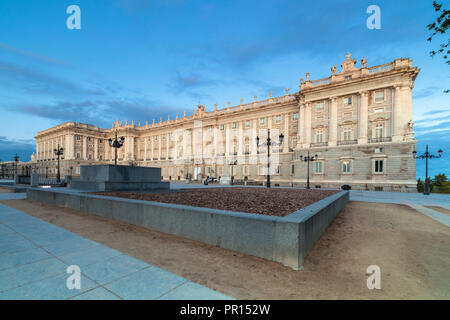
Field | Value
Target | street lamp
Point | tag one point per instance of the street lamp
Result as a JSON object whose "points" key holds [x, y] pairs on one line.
{"points": [[268, 143], [427, 156], [308, 159], [232, 164], [59, 151], [16, 160], [116, 144]]}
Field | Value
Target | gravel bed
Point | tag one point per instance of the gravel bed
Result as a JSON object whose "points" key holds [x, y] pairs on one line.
{"points": [[273, 202]]}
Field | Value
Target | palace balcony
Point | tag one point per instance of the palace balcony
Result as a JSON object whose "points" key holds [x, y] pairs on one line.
{"points": [[346, 142], [380, 139]]}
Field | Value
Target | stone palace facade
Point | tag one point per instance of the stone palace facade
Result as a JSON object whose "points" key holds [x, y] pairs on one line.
{"points": [[357, 121]]}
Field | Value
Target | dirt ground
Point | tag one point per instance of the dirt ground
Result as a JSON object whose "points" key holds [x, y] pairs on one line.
{"points": [[273, 202], [5, 190], [411, 249]]}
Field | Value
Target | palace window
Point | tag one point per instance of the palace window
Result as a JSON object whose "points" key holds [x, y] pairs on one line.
{"points": [[156, 138], [222, 127], [379, 130], [347, 134], [247, 123], [294, 142], [77, 137], [234, 125], [295, 116], [320, 105], [262, 170], [278, 119], [347, 101], [348, 78], [262, 121], [346, 167], [379, 96], [247, 145], [319, 136], [319, 167], [378, 166]]}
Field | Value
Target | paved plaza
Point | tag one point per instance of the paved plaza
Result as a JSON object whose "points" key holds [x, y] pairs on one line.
{"points": [[34, 256], [416, 201]]}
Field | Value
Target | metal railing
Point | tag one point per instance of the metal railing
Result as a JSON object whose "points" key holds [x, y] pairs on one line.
{"points": [[380, 139], [319, 144], [346, 142]]}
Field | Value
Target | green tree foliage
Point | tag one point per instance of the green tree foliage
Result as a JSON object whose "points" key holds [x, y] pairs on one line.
{"points": [[440, 179], [420, 185], [439, 27]]}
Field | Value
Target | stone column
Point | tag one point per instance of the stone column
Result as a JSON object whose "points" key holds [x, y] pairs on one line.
{"points": [[84, 155], [167, 145], [307, 139], [227, 140], [95, 149], [301, 125], [363, 117], [153, 154], [253, 138], [69, 147], [215, 133], [397, 114], [286, 133], [159, 147], [241, 138], [332, 128], [145, 148]]}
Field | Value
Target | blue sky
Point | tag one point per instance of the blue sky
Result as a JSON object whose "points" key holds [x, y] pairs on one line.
{"points": [[139, 60]]}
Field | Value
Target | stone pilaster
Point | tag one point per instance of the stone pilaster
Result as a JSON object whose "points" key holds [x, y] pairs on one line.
{"points": [[332, 128], [307, 135], [363, 117], [286, 133]]}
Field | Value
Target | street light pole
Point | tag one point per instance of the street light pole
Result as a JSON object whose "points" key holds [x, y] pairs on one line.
{"points": [[232, 164], [427, 155], [59, 151], [116, 144], [268, 143], [308, 159], [16, 160]]}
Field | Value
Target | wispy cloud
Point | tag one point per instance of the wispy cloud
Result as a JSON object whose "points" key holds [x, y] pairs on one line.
{"points": [[32, 55], [9, 147], [426, 92]]}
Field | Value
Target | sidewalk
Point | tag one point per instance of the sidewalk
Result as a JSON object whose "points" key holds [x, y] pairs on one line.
{"points": [[34, 256], [417, 201]]}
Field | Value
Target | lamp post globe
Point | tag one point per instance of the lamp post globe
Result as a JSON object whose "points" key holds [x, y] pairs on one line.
{"points": [[58, 152], [268, 143]]}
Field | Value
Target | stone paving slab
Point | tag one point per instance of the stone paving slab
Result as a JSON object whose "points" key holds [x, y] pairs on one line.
{"points": [[34, 256]]}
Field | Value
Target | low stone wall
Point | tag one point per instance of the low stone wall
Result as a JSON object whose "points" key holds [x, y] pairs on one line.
{"points": [[286, 240]]}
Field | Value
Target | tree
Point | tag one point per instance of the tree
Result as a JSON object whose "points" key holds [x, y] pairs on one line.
{"points": [[420, 185], [440, 26], [440, 179]]}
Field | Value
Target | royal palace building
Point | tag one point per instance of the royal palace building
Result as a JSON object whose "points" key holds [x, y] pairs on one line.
{"points": [[356, 123]]}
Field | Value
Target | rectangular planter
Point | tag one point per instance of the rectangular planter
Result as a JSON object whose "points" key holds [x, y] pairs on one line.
{"points": [[286, 240]]}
